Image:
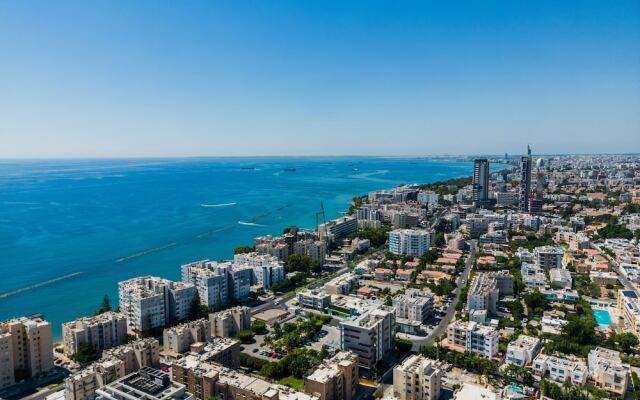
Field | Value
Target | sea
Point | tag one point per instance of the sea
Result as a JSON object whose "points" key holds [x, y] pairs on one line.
{"points": [[70, 230]]}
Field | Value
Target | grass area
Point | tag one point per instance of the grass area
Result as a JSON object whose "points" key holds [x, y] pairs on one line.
{"points": [[292, 382], [55, 385]]}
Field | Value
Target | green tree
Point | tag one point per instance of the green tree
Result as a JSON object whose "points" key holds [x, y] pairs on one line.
{"points": [[258, 326], [536, 303], [243, 249], [245, 336], [85, 354], [106, 304]]}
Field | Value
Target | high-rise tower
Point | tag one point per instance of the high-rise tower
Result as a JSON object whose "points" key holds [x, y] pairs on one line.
{"points": [[480, 182], [525, 181]]}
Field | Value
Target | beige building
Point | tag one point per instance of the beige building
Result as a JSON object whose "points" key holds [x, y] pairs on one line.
{"points": [[607, 371], [102, 331], [179, 338], [335, 379], [369, 335], [115, 364], [26, 349], [417, 378], [205, 379], [229, 322]]}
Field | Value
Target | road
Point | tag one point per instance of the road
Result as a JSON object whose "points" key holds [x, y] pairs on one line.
{"points": [[451, 311], [627, 284]]}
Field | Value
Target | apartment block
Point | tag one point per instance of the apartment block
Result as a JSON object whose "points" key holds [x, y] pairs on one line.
{"points": [[410, 242], [341, 284], [486, 289], [561, 369], [115, 363], [548, 257], [607, 370], [210, 280], [26, 349], [338, 228], [102, 331], [473, 337], [178, 339], [229, 322], [629, 308], [417, 378], [414, 305], [267, 270], [149, 302], [522, 351], [316, 299], [146, 384], [369, 335], [334, 379], [205, 380]]}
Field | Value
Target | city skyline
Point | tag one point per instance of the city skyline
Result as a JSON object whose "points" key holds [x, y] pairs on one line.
{"points": [[335, 79]]}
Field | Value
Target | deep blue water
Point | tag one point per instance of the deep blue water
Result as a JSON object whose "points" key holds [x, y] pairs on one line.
{"points": [[108, 220]]}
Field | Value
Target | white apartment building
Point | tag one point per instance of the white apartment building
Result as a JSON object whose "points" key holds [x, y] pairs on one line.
{"points": [[607, 371], [338, 228], [486, 289], [629, 308], [25, 345], [474, 337], [341, 284], [210, 281], [267, 269], [150, 302], [561, 369], [548, 257], [522, 351], [417, 378], [428, 197], [410, 242], [369, 335], [316, 299], [102, 331], [414, 305], [560, 277]]}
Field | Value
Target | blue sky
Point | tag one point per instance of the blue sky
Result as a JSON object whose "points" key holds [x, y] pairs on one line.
{"points": [[191, 78]]}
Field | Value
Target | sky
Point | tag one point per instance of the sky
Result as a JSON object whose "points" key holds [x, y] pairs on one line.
{"points": [[229, 78]]}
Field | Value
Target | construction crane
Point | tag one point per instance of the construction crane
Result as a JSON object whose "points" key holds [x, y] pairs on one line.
{"points": [[324, 219]]}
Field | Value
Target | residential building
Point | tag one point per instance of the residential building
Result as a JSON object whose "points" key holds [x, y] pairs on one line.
{"points": [[607, 371], [26, 349], [522, 351], [267, 270], [210, 281], [525, 183], [560, 278], [146, 384], [428, 197], [229, 322], [334, 379], [548, 257], [486, 288], [206, 380], [473, 337], [410, 242], [414, 305], [561, 369], [224, 351], [418, 378], [150, 303], [178, 339], [338, 228], [102, 332], [316, 299], [480, 182], [369, 335], [342, 284]]}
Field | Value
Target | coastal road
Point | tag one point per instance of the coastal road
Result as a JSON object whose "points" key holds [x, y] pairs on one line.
{"points": [[444, 322]]}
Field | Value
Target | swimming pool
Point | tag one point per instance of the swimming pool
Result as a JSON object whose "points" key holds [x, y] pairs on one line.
{"points": [[602, 318]]}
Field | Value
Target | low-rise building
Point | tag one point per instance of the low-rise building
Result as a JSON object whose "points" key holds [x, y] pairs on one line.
{"points": [[607, 371], [560, 277], [561, 369], [316, 299], [473, 337], [335, 379], [146, 384], [417, 378], [522, 351]]}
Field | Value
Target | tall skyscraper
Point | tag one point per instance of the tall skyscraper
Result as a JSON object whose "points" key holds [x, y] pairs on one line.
{"points": [[480, 182], [525, 181]]}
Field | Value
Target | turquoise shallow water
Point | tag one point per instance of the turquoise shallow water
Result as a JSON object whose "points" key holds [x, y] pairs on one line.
{"points": [[83, 225], [603, 319]]}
